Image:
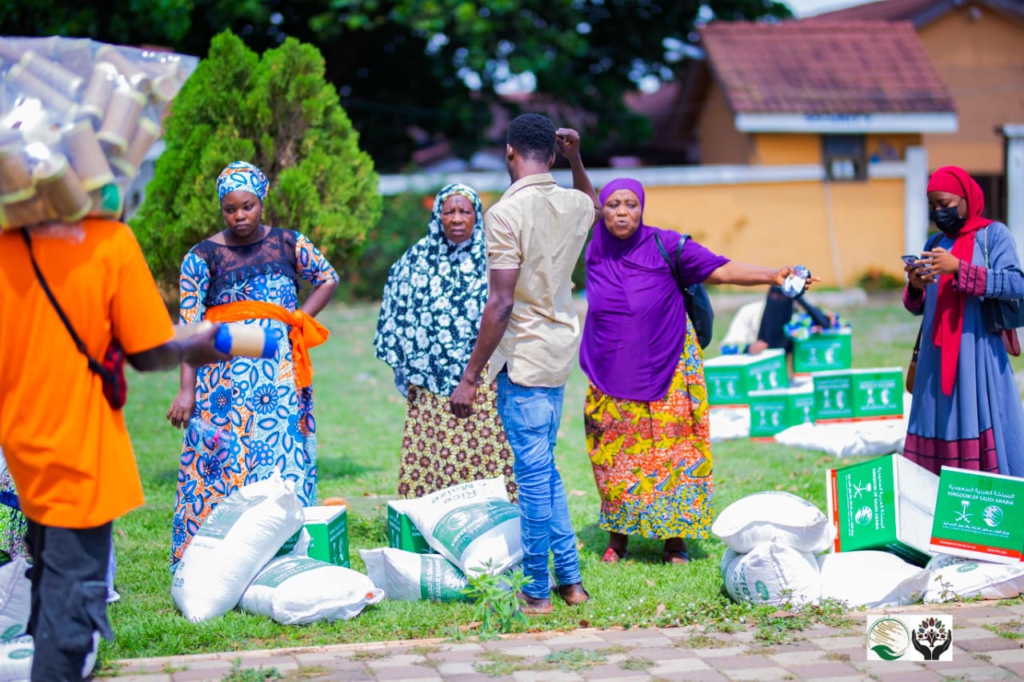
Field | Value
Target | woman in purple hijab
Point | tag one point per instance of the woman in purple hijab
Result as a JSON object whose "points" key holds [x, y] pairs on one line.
{"points": [[647, 408]]}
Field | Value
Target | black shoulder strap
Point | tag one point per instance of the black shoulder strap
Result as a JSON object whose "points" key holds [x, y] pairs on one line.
{"points": [[664, 253], [673, 263], [666, 257], [661, 247], [679, 253], [932, 241], [93, 364]]}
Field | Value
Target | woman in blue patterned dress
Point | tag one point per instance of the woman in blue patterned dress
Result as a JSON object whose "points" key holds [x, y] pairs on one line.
{"points": [[261, 409]]}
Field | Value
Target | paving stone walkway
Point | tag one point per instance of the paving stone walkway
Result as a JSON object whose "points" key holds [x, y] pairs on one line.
{"points": [[638, 655]]}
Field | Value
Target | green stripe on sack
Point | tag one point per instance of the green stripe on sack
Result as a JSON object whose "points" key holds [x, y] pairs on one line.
{"points": [[13, 631], [440, 580], [460, 527], [19, 649], [222, 519], [286, 569]]}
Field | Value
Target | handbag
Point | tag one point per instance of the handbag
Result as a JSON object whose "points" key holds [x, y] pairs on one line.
{"points": [[695, 296], [111, 369], [1001, 316]]}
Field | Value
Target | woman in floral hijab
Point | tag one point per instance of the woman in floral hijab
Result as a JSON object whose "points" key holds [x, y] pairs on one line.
{"points": [[428, 324]]}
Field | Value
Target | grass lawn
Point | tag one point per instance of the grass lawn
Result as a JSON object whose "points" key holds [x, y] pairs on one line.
{"points": [[360, 417]]}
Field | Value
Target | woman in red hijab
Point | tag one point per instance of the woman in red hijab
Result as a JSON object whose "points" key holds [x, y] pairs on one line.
{"points": [[967, 410]]}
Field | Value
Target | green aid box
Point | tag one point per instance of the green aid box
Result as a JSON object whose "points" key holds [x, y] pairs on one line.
{"points": [[402, 532], [768, 372], [859, 394], [822, 352], [730, 378], [884, 504], [877, 393], [775, 411], [833, 395], [979, 516], [328, 535]]}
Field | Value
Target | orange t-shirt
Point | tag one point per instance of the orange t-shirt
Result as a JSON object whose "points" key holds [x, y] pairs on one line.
{"points": [[67, 450]]}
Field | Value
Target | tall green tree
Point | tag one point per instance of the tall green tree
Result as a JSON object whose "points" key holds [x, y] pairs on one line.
{"points": [[187, 25], [432, 65], [585, 54], [278, 112]]}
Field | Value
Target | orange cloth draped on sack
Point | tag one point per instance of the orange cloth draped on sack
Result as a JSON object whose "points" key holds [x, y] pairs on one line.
{"points": [[305, 332]]}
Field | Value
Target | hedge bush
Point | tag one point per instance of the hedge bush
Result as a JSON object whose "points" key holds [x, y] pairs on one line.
{"points": [[278, 112], [403, 222]]}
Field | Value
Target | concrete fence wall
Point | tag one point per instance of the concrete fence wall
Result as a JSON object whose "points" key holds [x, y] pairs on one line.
{"points": [[767, 215]]}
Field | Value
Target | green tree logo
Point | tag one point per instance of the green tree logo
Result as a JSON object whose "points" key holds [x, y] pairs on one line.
{"points": [[932, 638]]}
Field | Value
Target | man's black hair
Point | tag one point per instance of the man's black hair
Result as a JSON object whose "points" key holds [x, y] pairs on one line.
{"points": [[532, 136]]}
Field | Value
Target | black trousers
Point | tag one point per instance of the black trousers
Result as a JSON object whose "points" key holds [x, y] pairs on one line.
{"points": [[69, 597], [778, 309]]}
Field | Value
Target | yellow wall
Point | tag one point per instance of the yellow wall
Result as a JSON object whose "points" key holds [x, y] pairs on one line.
{"points": [[982, 61], [787, 224], [782, 149], [720, 142]]}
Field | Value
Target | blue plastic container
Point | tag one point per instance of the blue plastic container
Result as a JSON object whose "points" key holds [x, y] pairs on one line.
{"points": [[249, 341]]}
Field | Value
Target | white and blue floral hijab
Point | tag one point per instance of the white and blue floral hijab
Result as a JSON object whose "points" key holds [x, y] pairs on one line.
{"points": [[433, 300]]}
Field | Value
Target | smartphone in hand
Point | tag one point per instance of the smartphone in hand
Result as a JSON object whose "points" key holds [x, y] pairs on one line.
{"points": [[910, 259]]}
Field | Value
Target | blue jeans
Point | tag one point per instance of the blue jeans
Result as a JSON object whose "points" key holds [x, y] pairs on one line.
{"points": [[530, 417]]}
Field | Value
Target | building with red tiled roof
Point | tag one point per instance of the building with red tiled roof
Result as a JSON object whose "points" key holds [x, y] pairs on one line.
{"points": [[978, 48], [919, 12], [770, 72], [808, 144], [841, 94]]}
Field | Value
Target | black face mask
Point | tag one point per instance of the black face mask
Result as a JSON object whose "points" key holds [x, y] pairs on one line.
{"points": [[948, 219]]}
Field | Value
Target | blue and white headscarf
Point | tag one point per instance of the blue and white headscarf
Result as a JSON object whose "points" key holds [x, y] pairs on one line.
{"points": [[242, 175], [433, 300]]}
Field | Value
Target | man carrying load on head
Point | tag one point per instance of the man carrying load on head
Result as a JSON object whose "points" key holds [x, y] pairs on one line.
{"points": [[65, 441]]}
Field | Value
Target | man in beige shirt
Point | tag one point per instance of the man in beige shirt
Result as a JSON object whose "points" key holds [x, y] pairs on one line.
{"points": [[530, 332]]}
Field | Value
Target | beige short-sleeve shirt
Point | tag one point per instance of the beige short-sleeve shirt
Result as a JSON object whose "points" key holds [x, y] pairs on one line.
{"points": [[539, 229]]}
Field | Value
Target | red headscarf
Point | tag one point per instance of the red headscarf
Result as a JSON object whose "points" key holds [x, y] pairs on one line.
{"points": [[949, 308]]}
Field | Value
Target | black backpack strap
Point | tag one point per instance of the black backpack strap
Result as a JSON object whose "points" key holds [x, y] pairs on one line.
{"points": [[679, 257], [661, 247], [94, 366], [673, 263]]}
